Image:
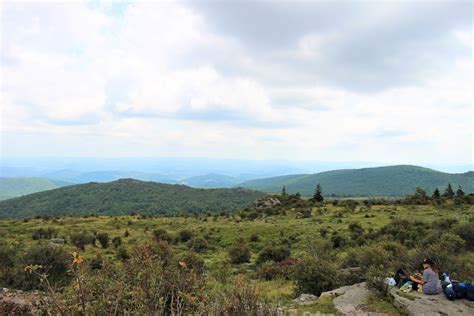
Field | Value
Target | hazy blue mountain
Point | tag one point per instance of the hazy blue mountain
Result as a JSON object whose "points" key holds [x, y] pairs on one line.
{"points": [[381, 181], [18, 186], [173, 168], [212, 180], [106, 176]]}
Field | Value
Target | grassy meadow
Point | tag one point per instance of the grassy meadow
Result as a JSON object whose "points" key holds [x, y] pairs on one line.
{"points": [[212, 235]]}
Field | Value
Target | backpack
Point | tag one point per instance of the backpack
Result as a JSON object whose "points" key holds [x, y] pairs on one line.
{"points": [[449, 292], [460, 289], [401, 277], [470, 291]]}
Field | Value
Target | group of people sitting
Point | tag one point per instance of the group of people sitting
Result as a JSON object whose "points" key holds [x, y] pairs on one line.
{"points": [[429, 282]]}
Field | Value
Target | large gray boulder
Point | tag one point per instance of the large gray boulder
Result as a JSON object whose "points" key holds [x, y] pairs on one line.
{"points": [[12, 303], [419, 304], [349, 299]]}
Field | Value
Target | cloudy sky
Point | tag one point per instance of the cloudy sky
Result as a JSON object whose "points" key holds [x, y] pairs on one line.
{"points": [[333, 81]]}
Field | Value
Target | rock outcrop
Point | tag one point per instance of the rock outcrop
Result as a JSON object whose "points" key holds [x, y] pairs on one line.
{"points": [[419, 304], [12, 303], [306, 299], [267, 202], [348, 300]]}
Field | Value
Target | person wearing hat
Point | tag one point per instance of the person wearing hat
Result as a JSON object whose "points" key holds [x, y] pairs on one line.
{"points": [[430, 278]]}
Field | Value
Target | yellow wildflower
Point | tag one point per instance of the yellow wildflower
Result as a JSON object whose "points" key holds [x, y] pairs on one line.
{"points": [[77, 259]]}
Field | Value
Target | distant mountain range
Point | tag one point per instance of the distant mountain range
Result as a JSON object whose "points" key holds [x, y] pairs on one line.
{"points": [[125, 196], [106, 176], [381, 181], [11, 187], [18, 186]]}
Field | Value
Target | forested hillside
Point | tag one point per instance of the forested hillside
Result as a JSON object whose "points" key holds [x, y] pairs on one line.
{"points": [[381, 181], [126, 196]]}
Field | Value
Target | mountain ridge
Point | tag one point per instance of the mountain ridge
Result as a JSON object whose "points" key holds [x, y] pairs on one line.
{"points": [[397, 180], [125, 196]]}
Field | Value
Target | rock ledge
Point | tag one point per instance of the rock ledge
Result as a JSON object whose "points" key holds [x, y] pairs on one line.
{"points": [[419, 304]]}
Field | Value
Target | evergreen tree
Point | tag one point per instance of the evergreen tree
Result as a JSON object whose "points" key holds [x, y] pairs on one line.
{"points": [[449, 191], [459, 192], [283, 191], [318, 196], [436, 195]]}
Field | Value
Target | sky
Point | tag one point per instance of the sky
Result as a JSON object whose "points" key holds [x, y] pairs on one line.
{"points": [[382, 81]]}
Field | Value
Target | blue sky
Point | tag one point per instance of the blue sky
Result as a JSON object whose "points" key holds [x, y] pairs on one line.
{"points": [[331, 81]]}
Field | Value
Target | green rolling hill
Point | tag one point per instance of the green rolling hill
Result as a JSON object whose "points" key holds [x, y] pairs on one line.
{"points": [[125, 196], [381, 181], [18, 186]]}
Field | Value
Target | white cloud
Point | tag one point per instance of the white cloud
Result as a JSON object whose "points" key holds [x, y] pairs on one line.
{"points": [[159, 79]]}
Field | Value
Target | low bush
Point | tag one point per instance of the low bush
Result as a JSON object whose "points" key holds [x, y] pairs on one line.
{"points": [[277, 270], [338, 240], [103, 239], [122, 253], [198, 244], [314, 276], [7, 265], [273, 253], [54, 261], [117, 241], [239, 252], [161, 234], [185, 235], [254, 238], [81, 239], [466, 232], [240, 298], [193, 262], [44, 233]]}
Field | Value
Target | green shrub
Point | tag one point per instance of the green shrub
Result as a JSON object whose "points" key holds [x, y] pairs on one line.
{"points": [[356, 230], [370, 257], [466, 232], [254, 238], [54, 260], [239, 298], [44, 233], [96, 263], [167, 286], [338, 241], [198, 244], [185, 235], [103, 239], [239, 252], [193, 262], [81, 239], [324, 231], [375, 279], [282, 270], [161, 234], [7, 265], [122, 253], [273, 253], [117, 241], [314, 276]]}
